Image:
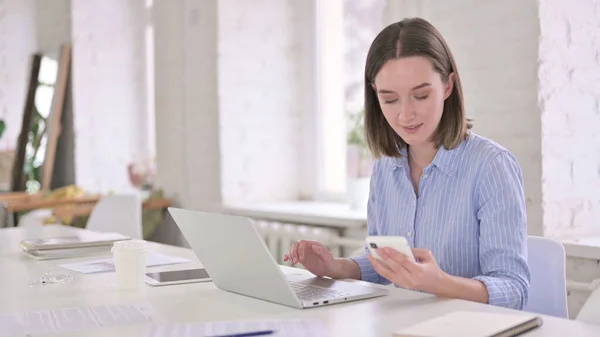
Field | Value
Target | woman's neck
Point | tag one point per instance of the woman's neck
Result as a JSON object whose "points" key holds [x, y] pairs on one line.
{"points": [[422, 155]]}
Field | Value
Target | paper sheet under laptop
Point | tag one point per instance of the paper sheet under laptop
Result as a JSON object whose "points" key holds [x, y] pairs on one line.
{"points": [[281, 328], [108, 265]]}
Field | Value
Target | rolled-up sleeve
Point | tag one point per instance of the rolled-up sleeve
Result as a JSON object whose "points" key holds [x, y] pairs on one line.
{"points": [[367, 272], [502, 219]]}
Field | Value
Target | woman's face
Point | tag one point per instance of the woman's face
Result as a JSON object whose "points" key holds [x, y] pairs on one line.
{"points": [[411, 95]]}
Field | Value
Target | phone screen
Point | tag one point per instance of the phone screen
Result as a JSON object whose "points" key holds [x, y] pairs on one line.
{"points": [[179, 275]]}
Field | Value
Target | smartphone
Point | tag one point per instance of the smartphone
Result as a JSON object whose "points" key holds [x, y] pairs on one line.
{"points": [[398, 243], [177, 277]]}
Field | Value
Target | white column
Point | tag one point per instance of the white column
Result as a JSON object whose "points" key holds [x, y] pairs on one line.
{"points": [[187, 111]]}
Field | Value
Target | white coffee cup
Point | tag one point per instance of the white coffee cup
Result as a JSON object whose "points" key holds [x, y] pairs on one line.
{"points": [[130, 263]]}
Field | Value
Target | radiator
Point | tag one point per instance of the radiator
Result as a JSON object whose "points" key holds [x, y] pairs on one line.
{"points": [[279, 238]]}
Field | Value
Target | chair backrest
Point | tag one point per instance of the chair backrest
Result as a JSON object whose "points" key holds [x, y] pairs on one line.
{"points": [[121, 213], [548, 288], [34, 218]]}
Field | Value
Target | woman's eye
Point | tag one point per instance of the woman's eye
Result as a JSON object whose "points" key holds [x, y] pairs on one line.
{"points": [[420, 98], [389, 101]]}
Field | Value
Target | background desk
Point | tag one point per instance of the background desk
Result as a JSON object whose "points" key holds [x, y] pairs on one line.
{"points": [[204, 302]]}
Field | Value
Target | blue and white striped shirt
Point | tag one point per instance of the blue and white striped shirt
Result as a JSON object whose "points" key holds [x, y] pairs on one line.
{"points": [[470, 213]]}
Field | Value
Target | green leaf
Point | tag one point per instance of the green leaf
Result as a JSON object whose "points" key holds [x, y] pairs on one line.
{"points": [[2, 127]]}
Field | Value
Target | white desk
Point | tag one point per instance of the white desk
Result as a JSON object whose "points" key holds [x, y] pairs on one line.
{"points": [[203, 301]]}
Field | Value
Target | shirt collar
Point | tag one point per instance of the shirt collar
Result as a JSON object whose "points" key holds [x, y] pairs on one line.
{"points": [[445, 160]]}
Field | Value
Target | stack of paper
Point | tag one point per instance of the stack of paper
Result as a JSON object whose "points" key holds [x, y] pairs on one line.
{"points": [[83, 244], [81, 240]]}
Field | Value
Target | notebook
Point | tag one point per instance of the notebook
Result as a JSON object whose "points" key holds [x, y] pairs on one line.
{"points": [[473, 324]]}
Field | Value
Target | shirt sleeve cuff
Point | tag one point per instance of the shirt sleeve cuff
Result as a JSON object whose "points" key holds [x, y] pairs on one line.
{"points": [[367, 272], [501, 292]]}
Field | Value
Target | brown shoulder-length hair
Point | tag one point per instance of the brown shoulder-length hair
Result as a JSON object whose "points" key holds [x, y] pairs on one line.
{"points": [[412, 37]]}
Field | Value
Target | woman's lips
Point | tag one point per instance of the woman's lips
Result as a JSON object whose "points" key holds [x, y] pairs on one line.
{"points": [[412, 128]]}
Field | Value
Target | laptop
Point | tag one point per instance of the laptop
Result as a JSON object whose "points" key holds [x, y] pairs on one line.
{"points": [[238, 260]]}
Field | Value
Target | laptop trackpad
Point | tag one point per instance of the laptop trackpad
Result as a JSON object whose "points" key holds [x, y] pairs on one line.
{"points": [[329, 283], [311, 280]]}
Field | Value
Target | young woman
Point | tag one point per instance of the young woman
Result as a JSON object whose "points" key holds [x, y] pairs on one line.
{"points": [[456, 196]]}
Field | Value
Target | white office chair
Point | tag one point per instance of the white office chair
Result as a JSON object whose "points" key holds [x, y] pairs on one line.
{"points": [[121, 213], [590, 311], [34, 218], [548, 288]]}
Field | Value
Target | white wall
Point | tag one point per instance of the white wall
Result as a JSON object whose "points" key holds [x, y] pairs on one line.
{"points": [[53, 25], [17, 44], [109, 91], [569, 95], [254, 110], [262, 60], [497, 62]]}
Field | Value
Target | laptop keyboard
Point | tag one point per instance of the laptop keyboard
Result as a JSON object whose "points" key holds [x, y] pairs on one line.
{"points": [[309, 292]]}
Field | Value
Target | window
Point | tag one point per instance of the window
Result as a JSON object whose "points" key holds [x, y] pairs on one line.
{"points": [[345, 30]]}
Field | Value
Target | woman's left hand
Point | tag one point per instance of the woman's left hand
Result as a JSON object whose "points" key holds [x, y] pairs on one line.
{"points": [[424, 275]]}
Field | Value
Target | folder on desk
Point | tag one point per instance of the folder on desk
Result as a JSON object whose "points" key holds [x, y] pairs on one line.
{"points": [[473, 324]]}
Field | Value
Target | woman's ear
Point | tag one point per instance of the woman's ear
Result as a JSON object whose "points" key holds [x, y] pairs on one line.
{"points": [[449, 85], [373, 87]]}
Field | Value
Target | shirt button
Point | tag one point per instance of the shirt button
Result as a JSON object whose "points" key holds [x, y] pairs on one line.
{"points": [[425, 175], [409, 234]]}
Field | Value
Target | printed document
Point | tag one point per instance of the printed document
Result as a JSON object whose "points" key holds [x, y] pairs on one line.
{"points": [[62, 320]]}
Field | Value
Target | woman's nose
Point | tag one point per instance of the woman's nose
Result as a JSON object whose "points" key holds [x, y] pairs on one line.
{"points": [[406, 112]]}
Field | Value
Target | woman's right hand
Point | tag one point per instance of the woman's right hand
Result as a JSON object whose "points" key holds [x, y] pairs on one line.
{"points": [[315, 257]]}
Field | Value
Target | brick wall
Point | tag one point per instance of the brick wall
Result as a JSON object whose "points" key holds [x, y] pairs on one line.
{"points": [[109, 90], [569, 96], [17, 44]]}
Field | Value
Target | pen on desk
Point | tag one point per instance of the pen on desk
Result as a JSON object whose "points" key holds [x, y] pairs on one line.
{"points": [[248, 334]]}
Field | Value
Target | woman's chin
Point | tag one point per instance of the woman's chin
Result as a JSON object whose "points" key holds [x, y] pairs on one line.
{"points": [[412, 139]]}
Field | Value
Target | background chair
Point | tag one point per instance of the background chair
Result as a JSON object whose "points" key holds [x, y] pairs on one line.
{"points": [[548, 289], [121, 213]]}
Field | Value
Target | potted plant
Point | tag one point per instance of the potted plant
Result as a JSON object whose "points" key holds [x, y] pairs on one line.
{"points": [[359, 163]]}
